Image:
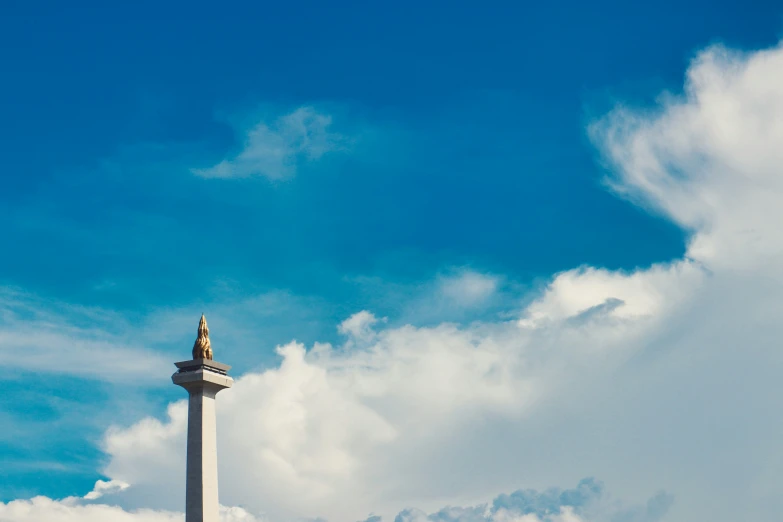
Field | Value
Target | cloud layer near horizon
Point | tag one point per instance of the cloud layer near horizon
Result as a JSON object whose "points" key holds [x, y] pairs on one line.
{"points": [[665, 377], [581, 504]]}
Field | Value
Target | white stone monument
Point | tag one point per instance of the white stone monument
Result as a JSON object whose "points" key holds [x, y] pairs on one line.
{"points": [[203, 378]]}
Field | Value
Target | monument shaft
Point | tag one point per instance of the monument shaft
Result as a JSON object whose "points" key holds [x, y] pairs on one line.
{"points": [[201, 484], [203, 378]]}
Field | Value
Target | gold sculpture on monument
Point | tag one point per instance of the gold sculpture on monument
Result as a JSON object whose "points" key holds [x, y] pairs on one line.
{"points": [[202, 348]]}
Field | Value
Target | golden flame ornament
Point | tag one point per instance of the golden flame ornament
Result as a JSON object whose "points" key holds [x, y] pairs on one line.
{"points": [[202, 348]]}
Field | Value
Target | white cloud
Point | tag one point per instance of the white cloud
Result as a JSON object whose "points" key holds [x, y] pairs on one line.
{"points": [[710, 159], [275, 150], [359, 326], [40, 509], [467, 288], [642, 293], [103, 487], [342, 432]]}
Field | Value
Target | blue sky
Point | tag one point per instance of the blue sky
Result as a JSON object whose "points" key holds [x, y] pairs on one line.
{"points": [[478, 153], [398, 149]]}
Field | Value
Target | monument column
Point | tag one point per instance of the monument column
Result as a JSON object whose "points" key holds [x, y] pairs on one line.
{"points": [[203, 378]]}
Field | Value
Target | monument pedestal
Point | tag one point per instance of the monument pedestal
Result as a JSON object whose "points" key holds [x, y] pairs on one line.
{"points": [[203, 379]]}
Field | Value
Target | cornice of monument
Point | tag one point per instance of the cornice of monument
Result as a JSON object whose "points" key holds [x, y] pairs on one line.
{"points": [[196, 364], [202, 377]]}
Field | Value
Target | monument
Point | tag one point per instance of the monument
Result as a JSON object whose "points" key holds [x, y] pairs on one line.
{"points": [[203, 378]]}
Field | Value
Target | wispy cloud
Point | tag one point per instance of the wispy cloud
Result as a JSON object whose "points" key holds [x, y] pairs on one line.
{"points": [[276, 149], [468, 288], [48, 336], [40, 334]]}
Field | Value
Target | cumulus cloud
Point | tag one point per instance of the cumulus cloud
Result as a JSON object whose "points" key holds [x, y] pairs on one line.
{"points": [[359, 326], [276, 149], [639, 294], [710, 158], [104, 487], [349, 428], [42, 508]]}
